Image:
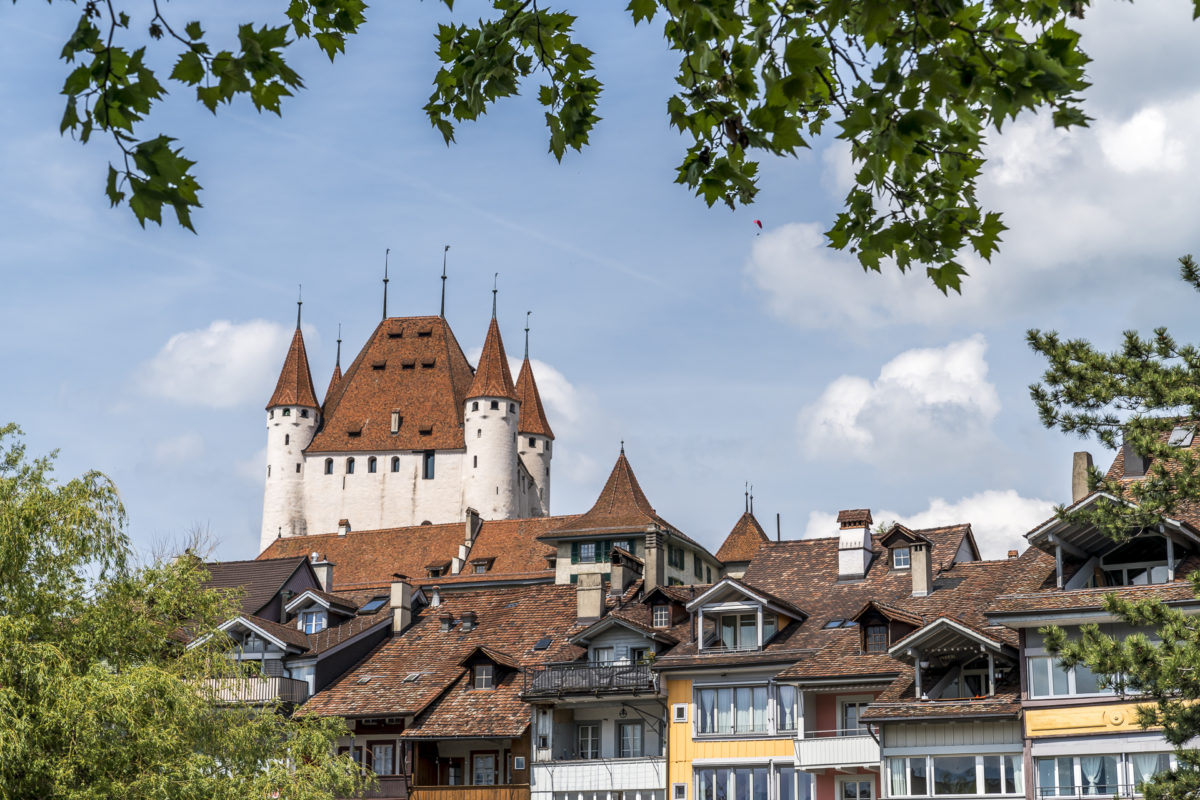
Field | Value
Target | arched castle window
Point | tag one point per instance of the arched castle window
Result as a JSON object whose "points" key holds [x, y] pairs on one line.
{"points": [[304, 413], [512, 408], [329, 466], [533, 443], [287, 438], [427, 465], [349, 466], [395, 463], [371, 464], [475, 406], [287, 412], [495, 405]]}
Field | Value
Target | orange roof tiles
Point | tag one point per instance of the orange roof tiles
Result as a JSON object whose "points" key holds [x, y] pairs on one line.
{"points": [[742, 542], [410, 365], [335, 381], [295, 386], [622, 506], [492, 377], [533, 416]]}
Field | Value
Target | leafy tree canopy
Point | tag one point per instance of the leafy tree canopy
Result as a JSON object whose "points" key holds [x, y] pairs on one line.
{"points": [[1134, 397], [912, 85], [99, 698]]}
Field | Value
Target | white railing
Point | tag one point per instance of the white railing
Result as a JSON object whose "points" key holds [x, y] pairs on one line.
{"points": [[836, 748]]}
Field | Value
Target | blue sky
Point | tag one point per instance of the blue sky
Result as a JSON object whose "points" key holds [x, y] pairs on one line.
{"points": [[718, 355]]}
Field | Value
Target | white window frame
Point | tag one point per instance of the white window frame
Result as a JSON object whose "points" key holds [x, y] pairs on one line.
{"points": [[842, 780], [484, 676], [313, 620], [679, 714], [852, 700], [769, 721], [896, 562], [661, 616], [679, 791], [1047, 663], [641, 738], [593, 740], [930, 775]]}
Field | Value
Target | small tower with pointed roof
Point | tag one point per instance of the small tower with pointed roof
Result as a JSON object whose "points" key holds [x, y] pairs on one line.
{"points": [[491, 418], [293, 415], [534, 436]]}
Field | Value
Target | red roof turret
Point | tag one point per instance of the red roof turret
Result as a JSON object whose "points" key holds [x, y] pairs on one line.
{"points": [[492, 377]]}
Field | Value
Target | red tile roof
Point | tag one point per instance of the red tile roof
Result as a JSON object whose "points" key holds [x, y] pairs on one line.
{"points": [[259, 580], [295, 386], [411, 365], [742, 542], [335, 381], [533, 416], [622, 506], [492, 378]]}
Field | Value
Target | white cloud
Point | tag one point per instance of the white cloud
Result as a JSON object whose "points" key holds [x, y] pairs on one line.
{"points": [[224, 365], [924, 402], [1142, 144], [999, 519], [187, 447]]}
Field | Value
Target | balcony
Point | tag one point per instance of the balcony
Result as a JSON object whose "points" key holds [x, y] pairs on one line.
{"points": [[391, 787], [510, 791], [577, 677], [645, 775], [819, 750], [258, 691]]}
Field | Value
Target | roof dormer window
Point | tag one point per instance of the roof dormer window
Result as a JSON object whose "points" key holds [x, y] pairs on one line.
{"points": [[901, 558], [485, 676], [313, 620], [876, 638], [662, 616]]}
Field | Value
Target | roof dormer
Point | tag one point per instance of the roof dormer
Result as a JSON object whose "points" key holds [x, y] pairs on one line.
{"points": [[732, 616]]}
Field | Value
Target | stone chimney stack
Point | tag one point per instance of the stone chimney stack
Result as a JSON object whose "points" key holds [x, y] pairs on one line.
{"points": [[472, 527], [854, 543], [922, 569], [324, 570], [589, 596], [1081, 464], [624, 571], [343, 527], [401, 602], [656, 560]]}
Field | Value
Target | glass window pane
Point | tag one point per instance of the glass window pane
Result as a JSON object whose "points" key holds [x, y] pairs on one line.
{"points": [[1041, 682], [1014, 779], [722, 785], [787, 708], [742, 700], [787, 784], [704, 784], [758, 788], [724, 708], [748, 633], [993, 775], [708, 711], [1146, 765], [1098, 774], [770, 620], [919, 778], [1066, 775], [899, 780], [1059, 676], [729, 631], [954, 775], [760, 710], [1045, 777], [1086, 681]]}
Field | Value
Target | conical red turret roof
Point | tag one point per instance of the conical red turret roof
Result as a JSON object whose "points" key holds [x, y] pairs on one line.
{"points": [[492, 377], [335, 381], [533, 416], [295, 386], [742, 542]]}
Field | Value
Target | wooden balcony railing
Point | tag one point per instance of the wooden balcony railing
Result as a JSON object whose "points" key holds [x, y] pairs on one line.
{"points": [[258, 690], [578, 677], [509, 791]]}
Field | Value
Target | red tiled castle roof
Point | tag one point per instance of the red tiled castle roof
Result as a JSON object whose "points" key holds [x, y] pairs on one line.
{"points": [[295, 386], [533, 416], [742, 542], [492, 377]]}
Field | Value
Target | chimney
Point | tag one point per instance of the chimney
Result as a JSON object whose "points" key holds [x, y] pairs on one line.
{"points": [[623, 572], [446, 621], [1013, 554], [469, 621], [655, 557], [472, 527], [1135, 463], [921, 568], [285, 597], [401, 602], [343, 527], [854, 543], [324, 570], [589, 596], [1081, 464]]}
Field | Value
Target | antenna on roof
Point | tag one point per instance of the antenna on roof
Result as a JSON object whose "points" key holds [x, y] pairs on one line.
{"points": [[299, 303], [339, 350], [752, 498], [527, 315], [385, 280], [495, 280], [778, 532], [444, 252]]}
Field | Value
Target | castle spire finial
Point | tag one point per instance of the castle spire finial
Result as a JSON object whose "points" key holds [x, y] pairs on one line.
{"points": [[299, 304], [527, 315], [443, 311], [385, 280], [495, 280], [746, 492], [752, 498], [622, 447], [338, 363]]}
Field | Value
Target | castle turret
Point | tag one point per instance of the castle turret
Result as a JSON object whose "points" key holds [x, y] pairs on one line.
{"points": [[490, 422], [292, 418], [534, 436]]}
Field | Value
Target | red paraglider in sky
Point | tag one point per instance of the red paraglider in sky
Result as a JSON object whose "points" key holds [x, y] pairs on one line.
{"points": [[758, 222]]}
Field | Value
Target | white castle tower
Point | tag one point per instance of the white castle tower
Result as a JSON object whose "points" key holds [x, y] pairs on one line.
{"points": [[491, 417], [534, 436], [293, 415], [409, 434]]}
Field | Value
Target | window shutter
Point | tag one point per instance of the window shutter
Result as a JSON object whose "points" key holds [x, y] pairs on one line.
{"points": [[574, 552]]}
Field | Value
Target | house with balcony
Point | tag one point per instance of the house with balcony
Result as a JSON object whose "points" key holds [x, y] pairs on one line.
{"points": [[1082, 735], [600, 722]]}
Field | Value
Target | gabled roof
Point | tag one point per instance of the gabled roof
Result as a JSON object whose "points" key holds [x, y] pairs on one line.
{"points": [[533, 416], [1082, 539], [900, 533], [628, 618], [295, 386], [742, 542], [945, 632], [492, 378], [332, 601], [283, 636], [260, 580], [621, 507], [758, 595], [411, 365], [890, 612], [492, 654]]}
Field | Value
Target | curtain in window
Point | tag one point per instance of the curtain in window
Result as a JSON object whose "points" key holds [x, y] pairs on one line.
{"points": [[704, 784], [896, 767], [724, 709], [787, 708], [1147, 765], [758, 788], [760, 709], [1091, 767], [729, 632], [708, 716], [743, 701]]}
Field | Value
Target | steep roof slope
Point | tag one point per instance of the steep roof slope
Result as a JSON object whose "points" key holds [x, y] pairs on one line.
{"points": [[743, 541], [411, 365], [621, 506], [295, 386], [533, 415], [492, 377], [260, 580]]}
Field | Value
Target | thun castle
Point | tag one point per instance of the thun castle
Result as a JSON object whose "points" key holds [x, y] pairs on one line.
{"points": [[409, 435]]}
